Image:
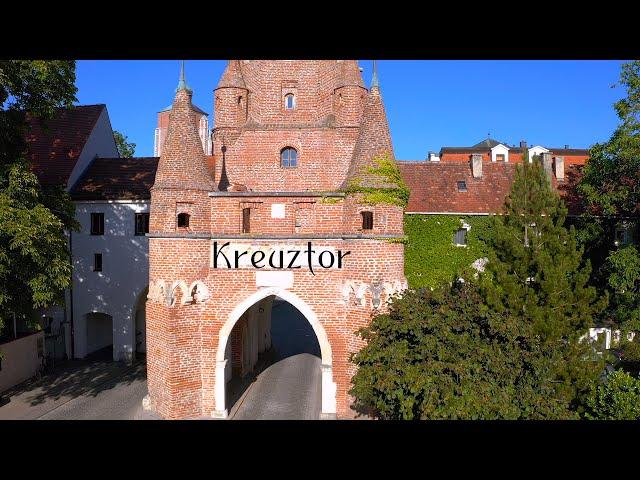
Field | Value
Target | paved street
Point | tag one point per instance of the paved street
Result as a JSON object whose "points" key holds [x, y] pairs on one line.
{"points": [[96, 388], [100, 389], [289, 389]]}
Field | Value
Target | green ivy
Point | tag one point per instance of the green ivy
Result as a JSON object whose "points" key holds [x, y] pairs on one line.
{"points": [[431, 258], [388, 172]]}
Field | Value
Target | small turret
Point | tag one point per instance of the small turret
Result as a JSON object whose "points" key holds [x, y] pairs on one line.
{"points": [[182, 179], [349, 95], [231, 98]]}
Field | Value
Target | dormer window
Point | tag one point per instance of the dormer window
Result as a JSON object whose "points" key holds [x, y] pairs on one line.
{"points": [[288, 157], [183, 220], [290, 101], [462, 186], [500, 157]]}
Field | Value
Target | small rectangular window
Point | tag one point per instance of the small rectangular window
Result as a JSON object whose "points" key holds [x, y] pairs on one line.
{"points": [[246, 220], [142, 223], [462, 186], [367, 220], [97, 262], [499, 157], [97, 224], [460, 237]]}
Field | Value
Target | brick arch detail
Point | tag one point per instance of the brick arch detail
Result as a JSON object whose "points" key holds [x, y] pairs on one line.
{"points": [[328, 385]]}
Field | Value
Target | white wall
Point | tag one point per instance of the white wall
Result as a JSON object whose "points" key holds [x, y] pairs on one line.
{"points": [[20, 360], [100, 143], [500, 150], [124, 276]]}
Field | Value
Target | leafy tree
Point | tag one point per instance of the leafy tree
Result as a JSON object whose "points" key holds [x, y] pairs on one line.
{"points": [[617, 399], [504, 347], [622, 268], [537, 281], [34, 258], [126, 149], [611, 189]]}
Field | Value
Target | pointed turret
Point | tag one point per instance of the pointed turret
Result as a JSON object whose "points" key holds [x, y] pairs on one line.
{"points": [[374, 140], [374, 80], [232, 76], [182, 164]]}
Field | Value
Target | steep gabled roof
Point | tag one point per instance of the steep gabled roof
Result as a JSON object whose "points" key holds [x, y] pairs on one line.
{"points": [[488, 143], [55, 146], [182, 164], [232, 76], [374, 140], [117, 179]]}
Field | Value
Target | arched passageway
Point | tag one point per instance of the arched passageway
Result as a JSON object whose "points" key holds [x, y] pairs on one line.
{"points": [[276, 361]]}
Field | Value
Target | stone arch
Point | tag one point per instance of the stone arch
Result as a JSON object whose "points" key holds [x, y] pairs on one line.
{"points": [[199, 292], [328, 385], [184, 290]]}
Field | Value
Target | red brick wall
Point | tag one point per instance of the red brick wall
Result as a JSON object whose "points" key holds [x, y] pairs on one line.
{"points": [[324, 127]]}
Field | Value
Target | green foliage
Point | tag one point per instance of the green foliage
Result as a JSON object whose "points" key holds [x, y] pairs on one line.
{"points": [[611, 189], [34, 259], [386, 172], [611, 177], [618, 399], [126, 149], [622, 268], [431, 257], [504, 346], [443, 354]]}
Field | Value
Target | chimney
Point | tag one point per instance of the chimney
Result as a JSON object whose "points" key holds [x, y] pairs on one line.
{"points": [[476, 165], [547, 163], [560, 169], [523, 144], [433, 157]]}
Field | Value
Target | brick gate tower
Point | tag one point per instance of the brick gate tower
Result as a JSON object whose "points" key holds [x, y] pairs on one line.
{"points": [[288, 138]]}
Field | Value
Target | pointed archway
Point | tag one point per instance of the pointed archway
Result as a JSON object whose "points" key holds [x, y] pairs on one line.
{"points": [[328, 385]]}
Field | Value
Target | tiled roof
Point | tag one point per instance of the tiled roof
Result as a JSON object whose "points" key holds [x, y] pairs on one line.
{"points": [[117, 179], [434, 187], [54, 147]]}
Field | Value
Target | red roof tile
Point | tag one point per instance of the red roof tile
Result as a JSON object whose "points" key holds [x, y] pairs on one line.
{"points": [[434, 187], [55, 146], [117, 179]]}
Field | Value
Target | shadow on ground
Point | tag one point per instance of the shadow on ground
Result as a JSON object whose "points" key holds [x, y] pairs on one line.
{"points": [[72, 378]]}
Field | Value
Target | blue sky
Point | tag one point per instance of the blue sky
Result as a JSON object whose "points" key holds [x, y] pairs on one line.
{"points": [[429, 104]]}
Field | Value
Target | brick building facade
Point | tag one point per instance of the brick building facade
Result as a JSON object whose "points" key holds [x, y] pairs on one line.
{"points": [[288, 136]]}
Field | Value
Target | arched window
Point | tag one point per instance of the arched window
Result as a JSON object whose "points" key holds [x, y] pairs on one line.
{"points": [[367, 220], [289, 101], [183, 220], [288, 157]]}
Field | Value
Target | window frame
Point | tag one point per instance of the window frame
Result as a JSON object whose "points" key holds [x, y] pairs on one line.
{"points": [[97, 262], [462, 186], [99, 230], [293, 101], [289, 150], [246, 220], [186, 216], [145, 228], [367, 220], [455, 237], [504, 157]]}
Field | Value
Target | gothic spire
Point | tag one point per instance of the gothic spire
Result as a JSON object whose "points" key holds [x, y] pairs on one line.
{"points": [[182, 84], [374, 80]]}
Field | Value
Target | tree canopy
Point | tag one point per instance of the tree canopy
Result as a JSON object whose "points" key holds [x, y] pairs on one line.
{"points": [[125, 148], [503, 346], [34, 258]]}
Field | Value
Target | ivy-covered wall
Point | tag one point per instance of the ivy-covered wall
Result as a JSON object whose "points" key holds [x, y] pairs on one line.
{"points": [[431, 257]]}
